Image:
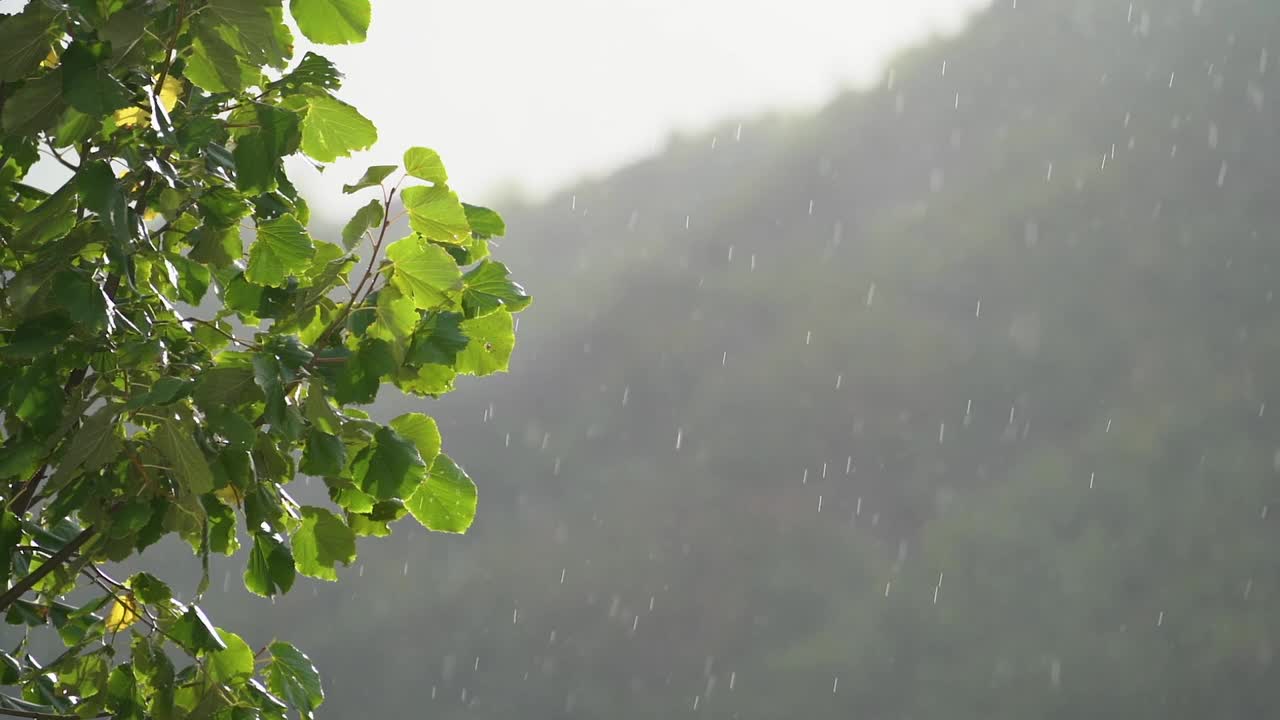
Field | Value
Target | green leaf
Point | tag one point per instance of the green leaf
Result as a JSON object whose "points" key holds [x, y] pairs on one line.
{"points": [[232, 664], [221, 521], [271, 570], [10, 536], [391, 467], [174, 441], [195, 633], [193, 279], [373, 177], [87, 82], [218, 247], [332, 22], [258, 153], [369, 216], [424, 272], [319, 412], [93, 445], [484, 222], [446, 502], [102, 194], [437, 340], [490, 341], [422, 431], [50, 220], [488, 287], [357, 380], [163, 391], [291, 676], [425, 164], [214, 63], [436, 213], [25, 40], [35, 106], [314, 70], [283, 248], [321, 542], [82, 299], [394, 317], [149, 589], [323, 454], [332, 129]]}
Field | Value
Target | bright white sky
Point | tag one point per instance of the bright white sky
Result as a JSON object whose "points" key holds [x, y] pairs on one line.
{"points": [[537, 93], [533, 94]]}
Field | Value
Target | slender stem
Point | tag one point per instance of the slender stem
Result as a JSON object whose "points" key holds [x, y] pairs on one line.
{"points": [[55, 561], [46, 716], [368, 272], [224, 333]]}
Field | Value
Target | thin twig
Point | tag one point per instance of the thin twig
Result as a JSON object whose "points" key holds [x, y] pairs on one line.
{"points": [[55, 561]]}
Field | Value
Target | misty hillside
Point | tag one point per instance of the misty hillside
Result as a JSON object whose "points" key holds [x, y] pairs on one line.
{"points": [[951, 400]]}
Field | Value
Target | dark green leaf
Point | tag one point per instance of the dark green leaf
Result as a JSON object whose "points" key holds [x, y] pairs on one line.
{"points": [[174, 441], [391, 467], [323, 454], [87, 82], [195, 633], [369, 216], [373, 176], [25, 40], [271, 570], [292, 676]]}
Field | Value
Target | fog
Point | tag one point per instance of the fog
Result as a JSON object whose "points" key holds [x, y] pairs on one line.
{"points": [[870, 373]]}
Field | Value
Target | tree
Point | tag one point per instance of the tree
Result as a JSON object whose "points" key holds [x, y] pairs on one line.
{"points": [[175, 347]]}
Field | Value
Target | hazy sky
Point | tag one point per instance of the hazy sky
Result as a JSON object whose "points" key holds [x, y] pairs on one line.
{"points": [[537, 93], [542, 92]]}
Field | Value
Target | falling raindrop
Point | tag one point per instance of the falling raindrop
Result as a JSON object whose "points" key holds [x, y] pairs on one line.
{"points": [[819, 503], [730, 253], [563, 571], [1108, 428], [679, 437], [1048, 176], [406, 568], [848, 466], [942, 432], [887, 585], [977, 312], [835, 684], [686, 222], [871, 294], [808, 337], [714, 140], [733, 678], [753, 262], [737, 135], [696, 698], [724, 358], [635, 622], [839, 379], [515, 616], [1092, 475], [810, 207], [857, 509], [1160, 619], [1171, 75], [573, 203], [936, 588], [804, 478], [626, 393], [1222, 174]]}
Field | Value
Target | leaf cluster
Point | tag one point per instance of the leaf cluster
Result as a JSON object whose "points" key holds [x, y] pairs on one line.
{"points": [[176, 347]]}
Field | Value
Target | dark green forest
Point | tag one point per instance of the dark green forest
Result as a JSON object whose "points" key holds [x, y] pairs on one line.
{"points": [[959, 398]]}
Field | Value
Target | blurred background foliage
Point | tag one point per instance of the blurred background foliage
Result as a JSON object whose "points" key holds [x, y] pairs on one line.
{"points": [[951, 400]]}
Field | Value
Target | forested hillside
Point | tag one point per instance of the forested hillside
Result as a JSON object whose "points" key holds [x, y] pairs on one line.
{"points": [[959, 398]]}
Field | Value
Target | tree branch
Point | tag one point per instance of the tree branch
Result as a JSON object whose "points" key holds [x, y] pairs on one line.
{"points": [[55, 561], [46, 716]]}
